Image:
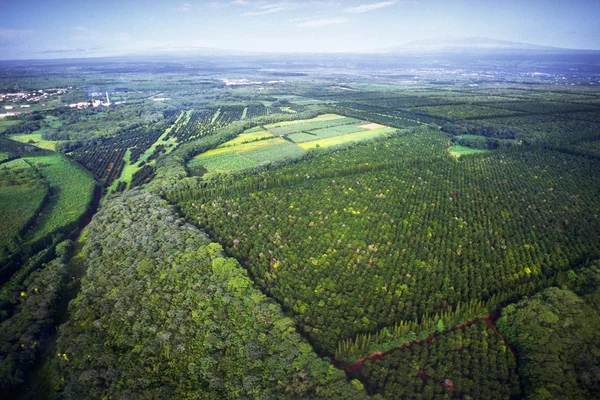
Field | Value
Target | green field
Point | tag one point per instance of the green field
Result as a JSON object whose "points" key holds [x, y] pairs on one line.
{"points": [[351, 137], [4, 156], [310, 125], [322, 117], [247, 137], [259, 145], [22, 193], [278, 152], [459, 150], [228, 161], [302, 137], [72, 190], [37, 140], [6, 123]]}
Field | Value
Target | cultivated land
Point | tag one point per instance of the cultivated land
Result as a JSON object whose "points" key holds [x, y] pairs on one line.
{"points": [[287, 140], [418, 228], [22, 194]]}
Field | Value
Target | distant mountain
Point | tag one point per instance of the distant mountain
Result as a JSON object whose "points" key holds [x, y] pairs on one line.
{"points": [[475, 45]]}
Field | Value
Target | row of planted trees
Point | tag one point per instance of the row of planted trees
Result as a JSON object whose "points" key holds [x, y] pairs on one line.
{"points": [[353, 253]]}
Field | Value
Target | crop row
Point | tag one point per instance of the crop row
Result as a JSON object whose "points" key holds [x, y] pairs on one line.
{"points": [[415, 238]]}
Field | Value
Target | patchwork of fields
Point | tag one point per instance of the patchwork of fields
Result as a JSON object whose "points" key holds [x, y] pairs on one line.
{"points": [[287, 140]]}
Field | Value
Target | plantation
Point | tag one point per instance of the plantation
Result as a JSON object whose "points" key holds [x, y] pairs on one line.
{"points": [[356, 241], [306, 227], [469, 362]]}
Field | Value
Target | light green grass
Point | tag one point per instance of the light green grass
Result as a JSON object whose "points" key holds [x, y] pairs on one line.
{"points": [[288, 110], [224, 162], [479, 137], [322, 117], [72, 189], [37, 138], [7, 123], [242, 147], [130, 169], [4, 156], [278, 152], [214, 118], [308, 125], [244, 113], [248, 137], [255, 129], [336, 131], [302, 137], [351, 137], [22, 191], [459, 150]]}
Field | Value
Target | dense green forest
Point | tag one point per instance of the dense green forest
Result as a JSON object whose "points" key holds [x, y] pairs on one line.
{"points": [[162, 314], [470, 362]]}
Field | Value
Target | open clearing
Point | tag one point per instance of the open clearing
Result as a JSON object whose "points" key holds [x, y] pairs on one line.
{"points": [[286, 140], [37, 140], [351, 137], [459, 150], [372, 125]]}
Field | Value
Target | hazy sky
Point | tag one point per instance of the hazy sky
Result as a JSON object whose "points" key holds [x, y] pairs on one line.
{"points": [[53, 29]]}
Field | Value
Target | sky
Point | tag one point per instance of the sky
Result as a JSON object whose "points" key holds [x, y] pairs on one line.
{"points": [[33, 29]]}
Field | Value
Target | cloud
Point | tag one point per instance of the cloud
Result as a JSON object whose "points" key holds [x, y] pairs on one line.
{"points": [[265, 9], [316, 23], [370, 7], [264, 12], [184, 7], [65, 50]]}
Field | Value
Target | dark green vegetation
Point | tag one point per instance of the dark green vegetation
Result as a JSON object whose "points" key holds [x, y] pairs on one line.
{"points": [[43, 198], [557, 336], [355, 241], [33, 318], [358, 248], [471, 362], [163, 314]]}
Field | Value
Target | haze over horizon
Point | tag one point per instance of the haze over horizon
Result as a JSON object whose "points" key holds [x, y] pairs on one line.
{"points": [[63, 29]]}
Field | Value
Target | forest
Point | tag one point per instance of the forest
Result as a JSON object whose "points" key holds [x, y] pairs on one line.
{"points": [[326, 236]]}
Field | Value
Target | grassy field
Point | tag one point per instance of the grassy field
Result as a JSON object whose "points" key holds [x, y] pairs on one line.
{"points": [[228, 148], [322, 117], [5, 124], [310, 125], [72, 190], [458, 150], [37, 138], [258, 145], [278, 152], [4, 156], [228, 161], [248, 137], [351, 137], [22, 192]]}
